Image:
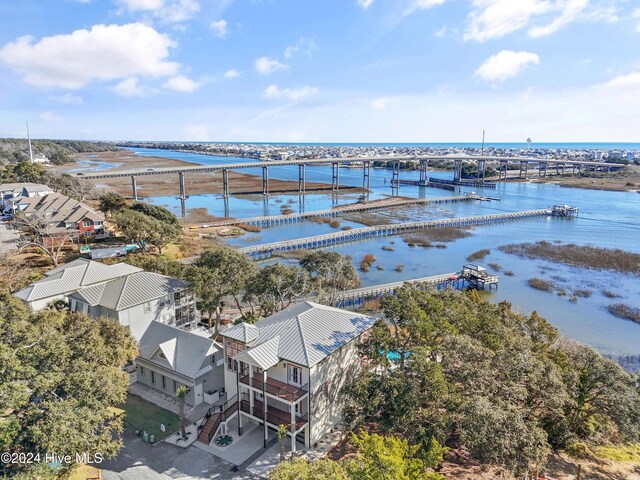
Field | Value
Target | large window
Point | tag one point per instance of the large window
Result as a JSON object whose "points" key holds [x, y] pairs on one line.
{"points": [[295, 375], [147, 307], [233, 348]]}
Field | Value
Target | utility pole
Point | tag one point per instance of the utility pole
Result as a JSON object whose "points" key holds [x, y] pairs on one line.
{"points": [[29, 141]]}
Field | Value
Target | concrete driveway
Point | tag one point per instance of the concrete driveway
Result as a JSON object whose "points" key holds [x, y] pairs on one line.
{"points": [[8, 238], [140, 461]]}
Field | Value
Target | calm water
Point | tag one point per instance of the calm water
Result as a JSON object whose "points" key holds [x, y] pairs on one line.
{"points": [[607, 219]]}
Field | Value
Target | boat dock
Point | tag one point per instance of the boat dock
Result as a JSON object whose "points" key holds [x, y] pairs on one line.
{"points": [[466, 278], [393, 202], [356, 234]]}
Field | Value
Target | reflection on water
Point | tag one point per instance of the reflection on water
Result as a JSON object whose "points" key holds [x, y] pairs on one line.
{"points": [[606, 219]]}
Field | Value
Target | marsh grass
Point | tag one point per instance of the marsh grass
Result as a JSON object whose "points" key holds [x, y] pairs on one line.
{"points": [[578, 255], [479, 255], [367, 261], [624, 311], [540, 284]]}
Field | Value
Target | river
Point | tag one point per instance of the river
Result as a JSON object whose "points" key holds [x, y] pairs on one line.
{"points": [[606, 219]]}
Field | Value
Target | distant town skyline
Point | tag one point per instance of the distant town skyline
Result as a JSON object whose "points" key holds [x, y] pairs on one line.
{"points": [[331, 71]]}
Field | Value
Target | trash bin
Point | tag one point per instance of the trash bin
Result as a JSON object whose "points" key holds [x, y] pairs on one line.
{"points": [[145, 436], [152, 438]]}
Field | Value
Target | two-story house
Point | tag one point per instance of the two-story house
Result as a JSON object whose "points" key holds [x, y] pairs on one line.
{"points": [[290, 367], [123, 292], [170, 357], [9, 192]]}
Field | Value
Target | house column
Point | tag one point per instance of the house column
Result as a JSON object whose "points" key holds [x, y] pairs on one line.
{"points": [[237, 364], [293, 427], [251, 395], [264, 407]]}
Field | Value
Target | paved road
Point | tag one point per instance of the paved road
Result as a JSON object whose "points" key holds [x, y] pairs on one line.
{"points": [[7, 238], [140, 461]]}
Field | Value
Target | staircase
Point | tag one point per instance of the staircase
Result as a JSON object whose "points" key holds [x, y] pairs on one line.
{"points": [[222, 414]]}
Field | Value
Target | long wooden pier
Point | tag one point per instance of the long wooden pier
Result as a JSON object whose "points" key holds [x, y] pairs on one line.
{"points": [[267, 221], [356, 234]]}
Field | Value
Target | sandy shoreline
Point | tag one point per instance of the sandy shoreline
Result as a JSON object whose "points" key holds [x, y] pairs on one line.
{"points": [[196, 183]]}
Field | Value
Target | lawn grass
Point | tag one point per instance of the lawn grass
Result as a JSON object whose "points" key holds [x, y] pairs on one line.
{"points": [[145, 416]]}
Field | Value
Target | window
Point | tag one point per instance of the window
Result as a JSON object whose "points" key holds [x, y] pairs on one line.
{"points": [[175, 386], [232, 349], [295, 375], [86, 223], [153, 377], [164, 383], [257, 370], [147, 307], [298, 408], [141, 370]]}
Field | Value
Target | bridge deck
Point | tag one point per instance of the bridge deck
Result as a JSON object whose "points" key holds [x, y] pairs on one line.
{"points": [[385, 288]]}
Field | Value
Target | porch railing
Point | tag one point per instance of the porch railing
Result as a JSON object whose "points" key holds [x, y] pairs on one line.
{"points": [[275, 416], [221, 413], [279, 389]]}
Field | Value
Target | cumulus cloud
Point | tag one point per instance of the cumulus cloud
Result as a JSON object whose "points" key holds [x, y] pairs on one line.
{"points": [[130, 87], [181, 84], [232, 73], [167, 10], [66, 98], [381, 103], [291, 94], [305, 46], [415, 5], [266, 65], [106, 52], [506, 64], [219, 27], [631, 80], [364, 4]]}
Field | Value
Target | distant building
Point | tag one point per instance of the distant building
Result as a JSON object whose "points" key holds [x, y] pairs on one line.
{"points": [[170, 358], [65, 215], [9, 192], [122, 292]]}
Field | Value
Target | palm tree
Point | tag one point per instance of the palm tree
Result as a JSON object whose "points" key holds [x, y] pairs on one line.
{"points": [[181, 394], [282, 437]]}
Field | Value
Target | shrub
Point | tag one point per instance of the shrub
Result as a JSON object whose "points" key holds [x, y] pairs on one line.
{"points": [[387, 248], [399, 268], [496, 267], [479, 255], [366, 262], [509, 273], [540, 284], [582, 293]]}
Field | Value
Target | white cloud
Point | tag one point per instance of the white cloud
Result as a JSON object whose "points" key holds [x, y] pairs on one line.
{"points": [[506, 64], [50, 116], [66, 98], [415, 5], [629, 81], [364, 4], [181, 84], [219, 27], [570, 11], [266, 65], [232, 73], [496, 18], [106, 52], [167, 10], [636, 15], [382, 103], [291, 94], [130, 87], [442, 32], [305, 46]]}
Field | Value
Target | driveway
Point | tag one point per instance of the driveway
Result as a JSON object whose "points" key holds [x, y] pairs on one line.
{"points": [[7, 238], [140, 461]]}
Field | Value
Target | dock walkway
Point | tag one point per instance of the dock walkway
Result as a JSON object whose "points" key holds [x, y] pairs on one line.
{"points": [[266, 221], [320, 241]]}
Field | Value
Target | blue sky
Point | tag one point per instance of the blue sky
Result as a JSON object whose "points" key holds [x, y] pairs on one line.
{"points": [[321, 71]]}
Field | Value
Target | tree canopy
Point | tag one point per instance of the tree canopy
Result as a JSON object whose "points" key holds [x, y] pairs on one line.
{"points": [[60, 372], [331, 274], [470, 373]]}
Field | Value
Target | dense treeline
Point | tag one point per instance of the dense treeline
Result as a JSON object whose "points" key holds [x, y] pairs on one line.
{"points": [[25, 171], [477, 375], [15, 150]]}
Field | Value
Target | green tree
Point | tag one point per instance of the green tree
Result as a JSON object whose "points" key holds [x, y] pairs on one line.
{"points": [[282, 438], [60, 372], [301, 469], [156, 212], [26, 171], [112, 202], [386, 458], [331, 274], [217, 274], [144, 230], [181, 395], [275, 287]]}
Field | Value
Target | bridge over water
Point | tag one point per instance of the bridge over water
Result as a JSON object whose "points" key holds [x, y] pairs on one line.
{"points": [[365, 162]]}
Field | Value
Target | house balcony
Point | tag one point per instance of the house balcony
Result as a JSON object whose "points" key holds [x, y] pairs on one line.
{"points": [[275, 416], [281, 390]]}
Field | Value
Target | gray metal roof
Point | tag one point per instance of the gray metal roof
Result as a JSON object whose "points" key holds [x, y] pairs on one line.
{"points": [[307, 332], [72, 277], [264, 355], [243, 332], [185, 352]]}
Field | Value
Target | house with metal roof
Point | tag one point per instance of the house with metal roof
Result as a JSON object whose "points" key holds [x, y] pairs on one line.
{"points": [[9, 192], [123, 292], [170, 357], [289, 368]]}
